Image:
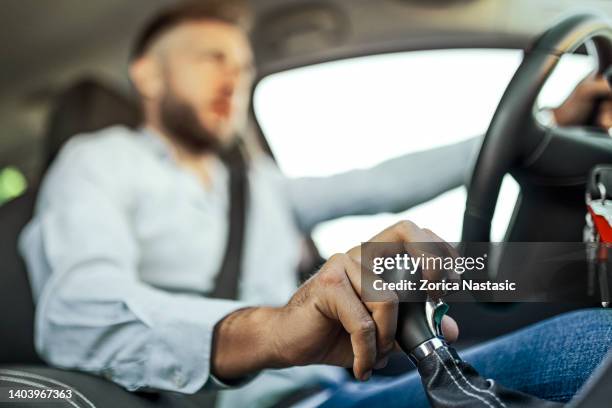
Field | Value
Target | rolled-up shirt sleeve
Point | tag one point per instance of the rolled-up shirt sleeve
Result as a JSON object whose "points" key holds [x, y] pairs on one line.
{"points": [[392, 186], [93, 312]]}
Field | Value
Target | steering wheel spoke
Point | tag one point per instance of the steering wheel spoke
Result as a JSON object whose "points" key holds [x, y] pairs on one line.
{"points": [[566, 155]]}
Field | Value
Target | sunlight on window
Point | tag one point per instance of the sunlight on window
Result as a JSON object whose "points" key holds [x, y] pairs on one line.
{"points": [[12, 183], [355, 113]]}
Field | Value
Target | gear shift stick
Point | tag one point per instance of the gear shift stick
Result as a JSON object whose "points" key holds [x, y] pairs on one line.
{"points": [[448, 381], [419, 330]]}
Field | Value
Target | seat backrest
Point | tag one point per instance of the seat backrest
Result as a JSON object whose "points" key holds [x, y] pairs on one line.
{"points": [[16, 306], [85, 106]]}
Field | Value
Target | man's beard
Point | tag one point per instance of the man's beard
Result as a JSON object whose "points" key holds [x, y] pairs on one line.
{"points": [[181, 122]]}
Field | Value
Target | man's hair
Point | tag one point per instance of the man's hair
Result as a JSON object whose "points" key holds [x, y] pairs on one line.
{"points": [[235, 12]]}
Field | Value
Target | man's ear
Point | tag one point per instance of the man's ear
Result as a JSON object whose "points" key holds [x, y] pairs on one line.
{"points": [[146, 77]]}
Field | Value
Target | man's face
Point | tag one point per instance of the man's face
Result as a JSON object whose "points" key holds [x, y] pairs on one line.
{"points": [[205, 70]]}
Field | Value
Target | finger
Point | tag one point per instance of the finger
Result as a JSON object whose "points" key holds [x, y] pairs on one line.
{"points": [[416, 242], [384, 310], [424, 240], [604, 117], [361, 327], [445, 246], [443, 250], [450, 330], [597, 86], [344, 305], [403, 231], [400, 233]]}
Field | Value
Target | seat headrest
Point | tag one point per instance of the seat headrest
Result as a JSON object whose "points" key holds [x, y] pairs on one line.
{"points": [[86, 106]]}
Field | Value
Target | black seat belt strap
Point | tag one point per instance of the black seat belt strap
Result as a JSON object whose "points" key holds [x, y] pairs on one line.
{"points": [[226, 285]]}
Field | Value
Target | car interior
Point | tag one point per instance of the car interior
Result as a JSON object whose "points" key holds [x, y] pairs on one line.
{"points": [[64, 73]]}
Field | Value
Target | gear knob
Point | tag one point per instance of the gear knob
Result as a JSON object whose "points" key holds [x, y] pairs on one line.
{"points": [[419, 327]]}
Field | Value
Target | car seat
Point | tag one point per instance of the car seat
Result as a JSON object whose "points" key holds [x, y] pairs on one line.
{"points": [[86, 106]]}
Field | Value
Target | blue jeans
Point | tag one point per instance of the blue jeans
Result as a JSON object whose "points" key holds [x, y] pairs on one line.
{"points": [[550, 360]]}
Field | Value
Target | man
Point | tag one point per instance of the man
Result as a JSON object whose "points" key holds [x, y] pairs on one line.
{"points": [[131, 227]]}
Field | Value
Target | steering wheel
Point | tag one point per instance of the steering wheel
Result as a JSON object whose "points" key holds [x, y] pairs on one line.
{"points": [[517, 143]]}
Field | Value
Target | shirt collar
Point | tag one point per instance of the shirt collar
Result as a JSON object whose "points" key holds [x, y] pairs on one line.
{"points": [[153, 140]]}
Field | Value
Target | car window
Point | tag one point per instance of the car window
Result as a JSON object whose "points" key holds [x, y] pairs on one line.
{"points": [[355, 113]]}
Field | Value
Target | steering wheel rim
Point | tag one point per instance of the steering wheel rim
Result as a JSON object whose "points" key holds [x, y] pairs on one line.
{"points": [[514, 132]]}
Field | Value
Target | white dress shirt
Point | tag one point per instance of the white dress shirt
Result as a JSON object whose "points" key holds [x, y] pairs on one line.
{"points": [[124, 242]]}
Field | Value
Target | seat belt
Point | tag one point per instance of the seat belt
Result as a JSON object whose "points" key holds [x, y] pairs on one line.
{"points": [[226, 284]]}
